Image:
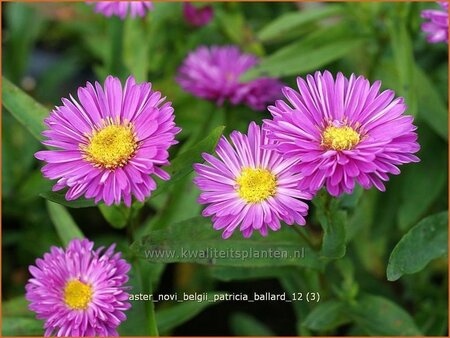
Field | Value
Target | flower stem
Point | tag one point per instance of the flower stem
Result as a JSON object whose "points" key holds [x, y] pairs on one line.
{"points": [[146, 287], [153, 326], [305, 238]]}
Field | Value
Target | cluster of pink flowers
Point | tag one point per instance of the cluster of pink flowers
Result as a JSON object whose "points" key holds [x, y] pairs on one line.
{"points": [[332, 133]]}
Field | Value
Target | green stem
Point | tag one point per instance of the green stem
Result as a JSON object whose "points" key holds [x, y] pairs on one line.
{"points": [[115, 32], [153, 326], [146, 287], [230, 118], [302, 235]]}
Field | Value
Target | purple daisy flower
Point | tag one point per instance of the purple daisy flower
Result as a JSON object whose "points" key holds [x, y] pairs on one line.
{"points": [[214, 74], [110, 142], [249, 186], [122, 8], [79, 291], [437, 26], [343, 131], [197, 16]]}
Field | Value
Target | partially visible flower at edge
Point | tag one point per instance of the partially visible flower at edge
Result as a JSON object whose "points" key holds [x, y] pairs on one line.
{"points": [[79, 291], [342, 131], [122, 8], [110, 142], [249, 187], [213, 73], [197, 16], [437, 26]]}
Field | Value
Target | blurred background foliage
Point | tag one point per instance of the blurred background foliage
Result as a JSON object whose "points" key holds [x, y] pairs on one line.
{"points": [[379, 260]]}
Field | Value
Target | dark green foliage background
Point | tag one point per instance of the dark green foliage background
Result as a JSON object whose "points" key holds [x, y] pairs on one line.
{"points": [[378, 260]]}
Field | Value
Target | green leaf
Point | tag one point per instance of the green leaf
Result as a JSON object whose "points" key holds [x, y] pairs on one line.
{"points": [[58, 197], [326, 316], [196, 241], [116, 215], [24, 108], [170, 318], [23, 27], [228, 273], [416, 199], [432, 108], [135, 53], [292, 21], [333, 222], [141, 316], [404, 59], [63, 222], [297, 59], [243, 324], [114, 61], [181, 165], [18, 326], [424, 242], [379, 316]]}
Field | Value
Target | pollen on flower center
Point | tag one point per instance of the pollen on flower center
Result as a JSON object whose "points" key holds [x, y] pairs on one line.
{"points": [[256, 185], [112, 146], [340, 138], [77, 295]]}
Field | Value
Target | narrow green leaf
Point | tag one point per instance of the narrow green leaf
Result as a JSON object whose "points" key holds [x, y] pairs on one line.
{"points": [[23, 25], [326, 316], [416, 199], [432, 108], [243, 324], [181, 165], [170, 318], [286, 23], [404, 61], [24, 108], [297, 59], [114, 62], [379, 316], [63, 222], [135, 53], [18, 326], [333, 222], [116, 215], [141, 315], [58, 197], [195, 241], [424, 242]]}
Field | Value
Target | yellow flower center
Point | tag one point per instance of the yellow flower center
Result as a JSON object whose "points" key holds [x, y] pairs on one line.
{"points": [[112, 146], [256, 185], [77, 295], [340, 138]]}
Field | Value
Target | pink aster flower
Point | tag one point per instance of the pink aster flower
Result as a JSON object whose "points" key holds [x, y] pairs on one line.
{"points": [[250, 187], [214, 74], [122, 8], [79, 291], [109, 142], [197, 16], [343, 131], [437, 26]]}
